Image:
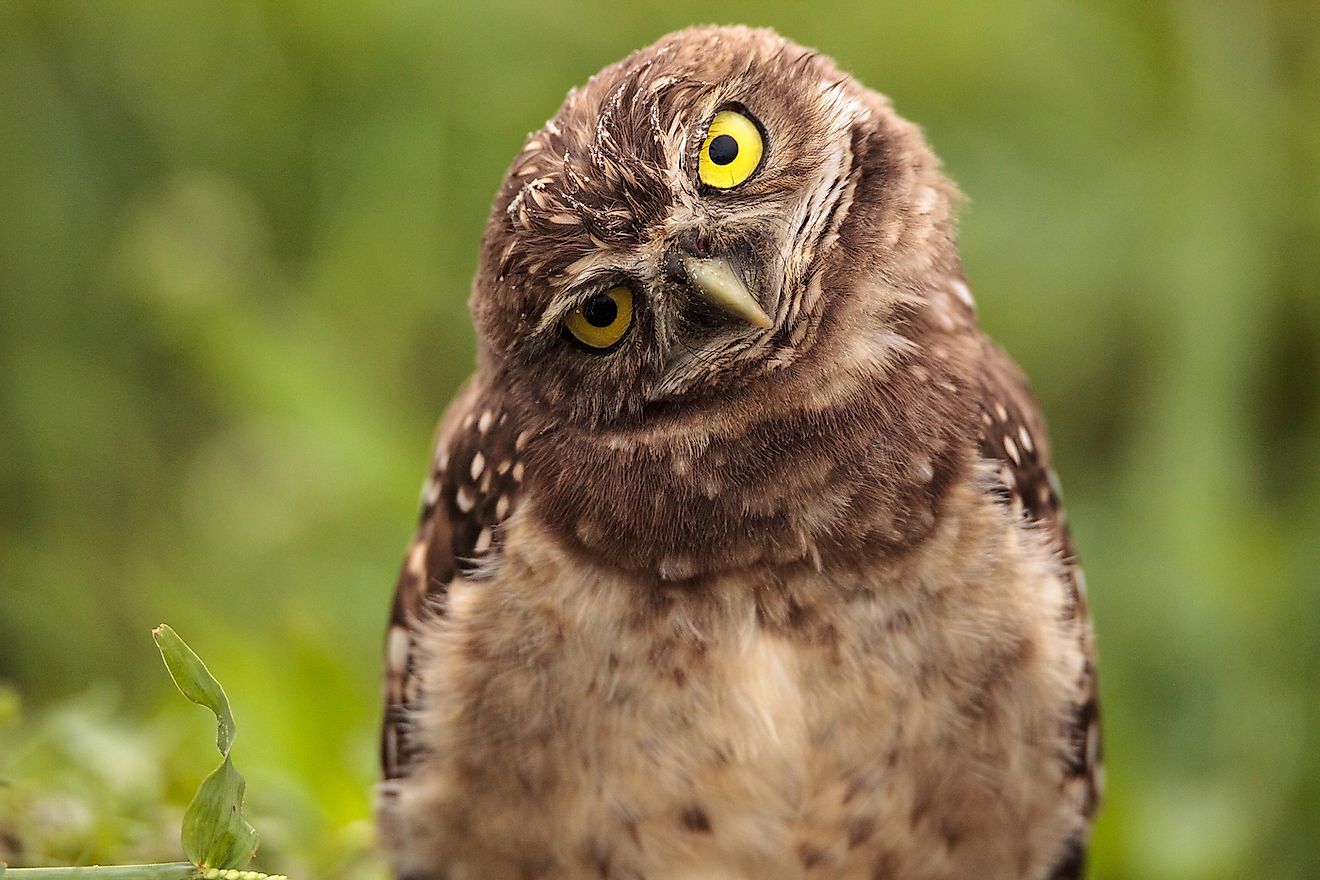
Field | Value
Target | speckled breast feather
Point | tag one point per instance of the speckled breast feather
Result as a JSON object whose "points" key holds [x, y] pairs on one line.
{"points": [[727, 600]]}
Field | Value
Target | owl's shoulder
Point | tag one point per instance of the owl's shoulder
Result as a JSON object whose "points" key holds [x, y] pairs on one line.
{"points": [[1011, 434], [1012, 437], [473, 486]]}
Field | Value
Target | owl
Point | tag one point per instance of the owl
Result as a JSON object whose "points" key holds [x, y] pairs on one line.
{"points": [[741, 555]]}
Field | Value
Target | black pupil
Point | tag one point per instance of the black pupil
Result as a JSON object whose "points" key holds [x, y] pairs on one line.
{"points": [[723, 150], [600, 311]]}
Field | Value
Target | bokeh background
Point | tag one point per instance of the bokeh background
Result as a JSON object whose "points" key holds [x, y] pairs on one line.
{"points": [[235, 244]]}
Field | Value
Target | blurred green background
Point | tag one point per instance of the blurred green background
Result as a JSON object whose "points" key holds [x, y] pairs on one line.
{"points": [[235, 246]]}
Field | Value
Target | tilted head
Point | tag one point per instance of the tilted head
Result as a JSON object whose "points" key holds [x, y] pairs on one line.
{"points": [[699, 217], [720, 296]]}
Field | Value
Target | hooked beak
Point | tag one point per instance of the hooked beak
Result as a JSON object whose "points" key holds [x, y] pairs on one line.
{"points": [[721, 286]]}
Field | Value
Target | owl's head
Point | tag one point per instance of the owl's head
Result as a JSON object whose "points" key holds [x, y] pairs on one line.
{"points": [[712, 210]]}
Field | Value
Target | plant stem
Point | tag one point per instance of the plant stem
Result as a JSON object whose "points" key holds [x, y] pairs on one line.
{"points": [[167, 871]]}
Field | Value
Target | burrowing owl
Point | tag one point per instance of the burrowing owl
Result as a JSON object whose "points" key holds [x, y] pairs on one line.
{"points": [[741, 555]]}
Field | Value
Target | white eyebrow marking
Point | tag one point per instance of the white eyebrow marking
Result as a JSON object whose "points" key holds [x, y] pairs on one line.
{"points": [[963, 292], [1025, 436]]}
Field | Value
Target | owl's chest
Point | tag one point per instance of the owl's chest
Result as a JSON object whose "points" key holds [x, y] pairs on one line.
{"points": [[579, 728]]}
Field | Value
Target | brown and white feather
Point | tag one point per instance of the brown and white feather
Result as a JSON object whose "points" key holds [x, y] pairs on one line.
{"points": [[730, 602]]}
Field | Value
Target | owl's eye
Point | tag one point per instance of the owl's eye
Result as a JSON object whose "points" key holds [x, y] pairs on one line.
{"points": [[603, 319], [731, 152]]}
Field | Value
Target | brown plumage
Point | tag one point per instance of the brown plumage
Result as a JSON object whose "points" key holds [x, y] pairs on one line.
{"points": [[775, 582]]}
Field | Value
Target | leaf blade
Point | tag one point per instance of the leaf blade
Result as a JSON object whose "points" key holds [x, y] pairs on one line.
{"points": [[196, 682], [215, 834], [163, 871]]}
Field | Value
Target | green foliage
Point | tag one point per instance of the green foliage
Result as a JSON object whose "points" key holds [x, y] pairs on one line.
{"points": [[195, 682], [215, 834], [236, 238], [216, 838], [172, 871]]}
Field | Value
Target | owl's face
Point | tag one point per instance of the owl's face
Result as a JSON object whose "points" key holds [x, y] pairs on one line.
{"points": [[699, 215]]}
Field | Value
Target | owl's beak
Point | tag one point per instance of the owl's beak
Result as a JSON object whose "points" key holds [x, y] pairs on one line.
{"points": [[722, 287]]}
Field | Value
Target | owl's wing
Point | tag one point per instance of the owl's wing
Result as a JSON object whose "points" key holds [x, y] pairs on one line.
{"points": [[472, 489], [1013, 436]]}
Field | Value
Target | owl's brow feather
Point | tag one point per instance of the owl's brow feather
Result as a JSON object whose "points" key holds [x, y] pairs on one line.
{"points": [[565, 301], [606, 115], [835, 86], [564, 204], [804, 60]]}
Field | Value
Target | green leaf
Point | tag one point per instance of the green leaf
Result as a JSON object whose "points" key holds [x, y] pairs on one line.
{"points": [[215, 834], [196, 682], [169, 871]]}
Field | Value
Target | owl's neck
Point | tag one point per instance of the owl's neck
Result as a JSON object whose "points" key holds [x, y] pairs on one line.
{"points": [[847, 454]]}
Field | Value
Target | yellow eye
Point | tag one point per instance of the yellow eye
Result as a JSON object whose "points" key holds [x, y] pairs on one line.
{"points": [[731, 152], [603, 319]]}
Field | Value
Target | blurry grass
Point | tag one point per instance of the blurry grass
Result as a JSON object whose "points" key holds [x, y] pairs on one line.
{"points": [[81, 784]]}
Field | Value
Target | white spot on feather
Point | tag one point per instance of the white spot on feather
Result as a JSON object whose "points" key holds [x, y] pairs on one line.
{"points": [[478, 465], [942, 310], [430, 492], [417, 559], [397, 647], [963, 292], [1011, 448]]}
